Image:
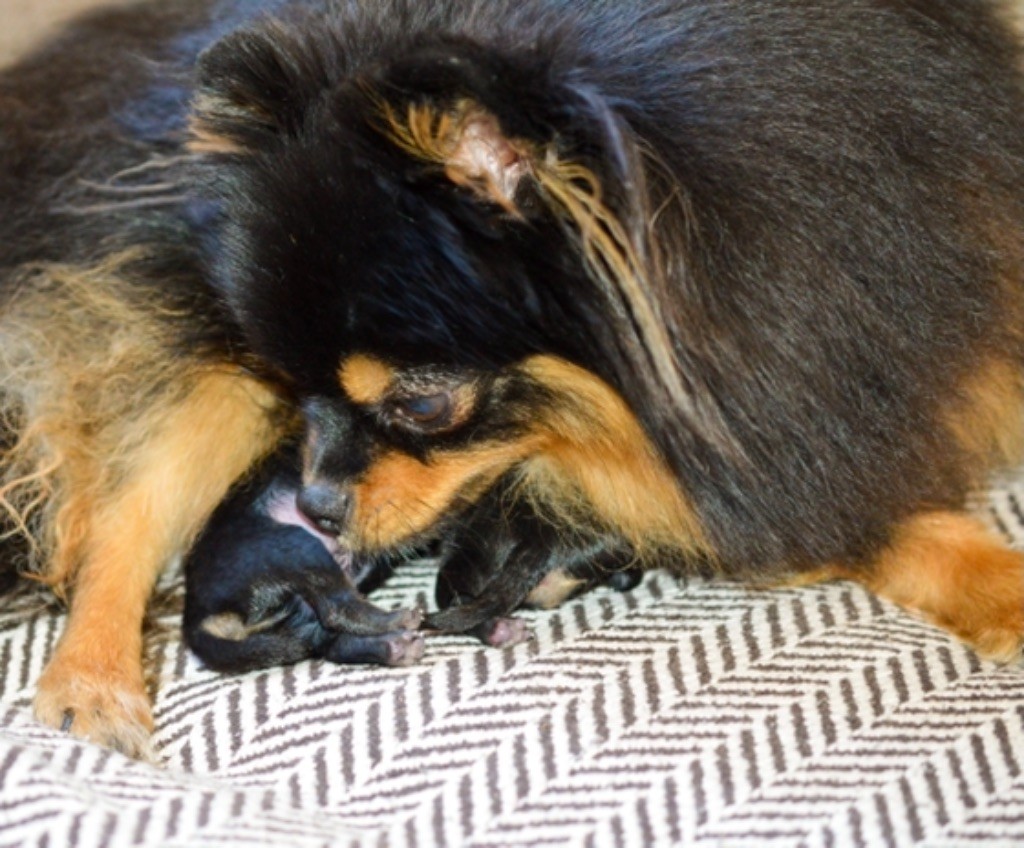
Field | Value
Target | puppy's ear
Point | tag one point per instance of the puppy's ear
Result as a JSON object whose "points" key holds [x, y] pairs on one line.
{"points": [[252, 86]]}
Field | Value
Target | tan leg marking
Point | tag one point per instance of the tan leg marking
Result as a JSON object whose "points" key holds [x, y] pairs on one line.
{"points": [[553, 590], [948, 568], [192, 453], [987, 417]]}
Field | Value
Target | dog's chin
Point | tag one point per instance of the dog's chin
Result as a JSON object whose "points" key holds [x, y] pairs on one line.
{"points": [[367, 560]]}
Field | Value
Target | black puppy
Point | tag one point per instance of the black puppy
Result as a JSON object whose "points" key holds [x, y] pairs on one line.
{"points": [[265, 587], [734, 285]]}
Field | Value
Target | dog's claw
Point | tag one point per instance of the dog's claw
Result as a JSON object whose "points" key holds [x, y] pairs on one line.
{"points": [[101, 708]]}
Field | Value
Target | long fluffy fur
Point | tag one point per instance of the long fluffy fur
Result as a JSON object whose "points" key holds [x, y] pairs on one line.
{"points": [[730, 284], [812, 276]]}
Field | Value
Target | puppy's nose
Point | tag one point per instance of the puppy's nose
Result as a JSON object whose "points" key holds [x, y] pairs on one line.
{"points": [[326, 506]]}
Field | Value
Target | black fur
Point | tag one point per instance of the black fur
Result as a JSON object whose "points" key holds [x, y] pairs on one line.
{"points": [[811, 167], [823, 201], [831, 283], [491, 566], [284, 595]]}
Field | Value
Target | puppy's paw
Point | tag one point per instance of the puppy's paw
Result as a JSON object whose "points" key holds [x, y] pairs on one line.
{"points": [[398, 649], [503, 632], [404, 649], [101, 706]]}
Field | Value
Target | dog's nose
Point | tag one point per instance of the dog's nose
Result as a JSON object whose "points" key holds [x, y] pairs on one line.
{"points": [[326, 506]]}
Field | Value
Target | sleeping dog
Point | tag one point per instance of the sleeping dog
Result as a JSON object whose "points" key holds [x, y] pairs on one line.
{"points": [[561, 287]]}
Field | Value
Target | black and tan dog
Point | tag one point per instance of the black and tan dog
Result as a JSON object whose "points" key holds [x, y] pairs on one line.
{"points": [[565, 287]]}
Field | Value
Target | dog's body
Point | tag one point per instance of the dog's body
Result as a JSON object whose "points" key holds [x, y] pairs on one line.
{"points": [[732, 285]]}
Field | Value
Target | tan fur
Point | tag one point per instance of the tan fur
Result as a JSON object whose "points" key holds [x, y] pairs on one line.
{"points": [[190, 457], [986, 415], [400, 496], [612, 257], [465, 141], [596, 458], [232, 627], [202, 137], [122, 446], [365, 379], [948, 568], [987, 418], [586, 461], [553, 590], [1013, 13], [229, 626], [71, 391], [205, 141]]}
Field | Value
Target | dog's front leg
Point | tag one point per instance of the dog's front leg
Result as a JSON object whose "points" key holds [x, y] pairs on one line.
{"points": [[193, 448]]}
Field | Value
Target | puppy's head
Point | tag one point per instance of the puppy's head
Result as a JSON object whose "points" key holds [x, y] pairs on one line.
{"points": [[446, 252]]}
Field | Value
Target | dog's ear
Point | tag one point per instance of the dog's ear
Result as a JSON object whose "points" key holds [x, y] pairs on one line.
{"points": [[497, 126], [473, 111], [492, 120], [467, 142], [252, 86]]}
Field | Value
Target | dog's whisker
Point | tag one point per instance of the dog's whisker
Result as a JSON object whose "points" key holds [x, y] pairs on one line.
{"points": [[129, 190], [122, 206]]}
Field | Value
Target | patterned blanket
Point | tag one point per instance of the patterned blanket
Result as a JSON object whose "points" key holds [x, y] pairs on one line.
{"points": [[685, 712]]}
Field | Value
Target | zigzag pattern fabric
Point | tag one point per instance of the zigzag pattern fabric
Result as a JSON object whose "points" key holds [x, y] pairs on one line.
{"points": [[683, 713]]}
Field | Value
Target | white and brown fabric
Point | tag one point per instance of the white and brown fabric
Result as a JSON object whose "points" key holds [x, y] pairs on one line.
{"points": [[683, 713]]}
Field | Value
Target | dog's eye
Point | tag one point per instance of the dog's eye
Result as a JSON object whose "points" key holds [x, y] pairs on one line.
{"points": [[425, 411]]}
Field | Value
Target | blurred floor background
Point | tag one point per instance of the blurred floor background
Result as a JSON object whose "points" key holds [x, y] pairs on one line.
{"points": [[23, 21]]}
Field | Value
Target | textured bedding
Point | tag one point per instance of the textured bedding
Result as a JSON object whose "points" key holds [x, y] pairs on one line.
{"points": [[687, 713]]}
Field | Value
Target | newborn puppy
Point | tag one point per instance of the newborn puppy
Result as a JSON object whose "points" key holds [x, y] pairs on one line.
{"points": [[264, 587]]}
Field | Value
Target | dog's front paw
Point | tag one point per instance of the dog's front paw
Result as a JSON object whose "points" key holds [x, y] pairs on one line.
{"points": [[101, 705]]}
